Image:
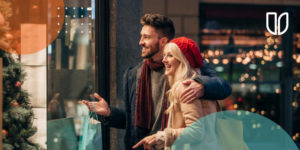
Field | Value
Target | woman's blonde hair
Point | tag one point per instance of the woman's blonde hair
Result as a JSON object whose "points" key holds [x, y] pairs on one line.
{"points": [[183, 72]]}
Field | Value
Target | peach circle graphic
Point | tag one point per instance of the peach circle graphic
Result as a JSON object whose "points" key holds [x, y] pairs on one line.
{"points": [[34, 25]]}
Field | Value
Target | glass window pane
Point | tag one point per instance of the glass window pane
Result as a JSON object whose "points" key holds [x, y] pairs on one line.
{"points": [[71, 72]]}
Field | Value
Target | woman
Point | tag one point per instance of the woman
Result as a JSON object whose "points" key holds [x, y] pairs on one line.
{"points": [[182, 60]]}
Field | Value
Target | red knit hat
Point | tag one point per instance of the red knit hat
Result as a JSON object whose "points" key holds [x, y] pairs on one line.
{"points": [[190, 50]]}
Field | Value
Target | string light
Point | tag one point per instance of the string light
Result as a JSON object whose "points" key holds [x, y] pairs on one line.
{"points": [[235, 106], [207, 60], [266, 47], [210, 53], [246, 60], [225, 61], [242, 79], [294, 104], [221, 52], [243, 85], [216, 61], [258, 54], [217, 53], [238, 59]]}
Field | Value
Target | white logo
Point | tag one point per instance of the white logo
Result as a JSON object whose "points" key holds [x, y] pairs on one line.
{"points": [[277, 23]]}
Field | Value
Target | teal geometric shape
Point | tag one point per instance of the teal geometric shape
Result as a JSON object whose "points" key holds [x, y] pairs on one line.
{"points": [[234, 130]]}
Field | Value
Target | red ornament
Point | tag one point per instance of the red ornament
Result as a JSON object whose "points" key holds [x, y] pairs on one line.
{"points": [[15, 104], [18, 84], [4, 133], [240, 99]]}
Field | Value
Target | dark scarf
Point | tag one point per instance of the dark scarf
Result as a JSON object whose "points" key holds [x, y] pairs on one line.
{"points": [[143, 108]]}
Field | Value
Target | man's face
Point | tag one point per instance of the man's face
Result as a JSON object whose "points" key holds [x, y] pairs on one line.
{"points": [[149, 41]]}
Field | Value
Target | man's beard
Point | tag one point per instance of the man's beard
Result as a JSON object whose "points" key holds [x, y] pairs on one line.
{"points": [[152, 53]]}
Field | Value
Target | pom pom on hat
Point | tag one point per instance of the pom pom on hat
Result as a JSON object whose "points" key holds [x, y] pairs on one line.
{"points": [[190, 50]]}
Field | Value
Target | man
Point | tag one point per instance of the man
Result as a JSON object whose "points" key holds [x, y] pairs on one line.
{"points": [[145, 86]]}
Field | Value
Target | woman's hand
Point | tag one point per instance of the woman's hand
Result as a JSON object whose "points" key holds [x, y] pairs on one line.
{"points": [[101, 107], [147, 142]]}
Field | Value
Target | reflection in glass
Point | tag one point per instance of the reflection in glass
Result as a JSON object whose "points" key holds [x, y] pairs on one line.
{"points": [[71, 73]]}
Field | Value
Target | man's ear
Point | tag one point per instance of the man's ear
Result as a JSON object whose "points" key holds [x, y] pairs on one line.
{"points": [[163, 41]]}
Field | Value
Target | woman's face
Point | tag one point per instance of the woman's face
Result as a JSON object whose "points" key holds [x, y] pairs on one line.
{"points": [[170, 62]]}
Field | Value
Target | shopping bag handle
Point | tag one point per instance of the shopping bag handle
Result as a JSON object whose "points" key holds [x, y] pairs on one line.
{"points": [[93, 114]]}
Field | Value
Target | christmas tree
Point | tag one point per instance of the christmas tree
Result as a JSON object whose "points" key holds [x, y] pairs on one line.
{"points": [[17, 112]]}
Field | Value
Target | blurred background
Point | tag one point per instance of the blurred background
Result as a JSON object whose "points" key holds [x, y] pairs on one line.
{"points": [[89, 44]]}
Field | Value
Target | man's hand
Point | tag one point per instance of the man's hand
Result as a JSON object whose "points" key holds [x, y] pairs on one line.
{"points": [[147, 142], [194, 91], [101, 107]]}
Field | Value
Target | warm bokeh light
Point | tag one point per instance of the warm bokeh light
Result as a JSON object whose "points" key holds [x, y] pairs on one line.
{"points": [[215, 61], [225, 61], [238, 59]]}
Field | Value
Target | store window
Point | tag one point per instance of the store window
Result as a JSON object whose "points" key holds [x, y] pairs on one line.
{"points": [[234, 40], [71, 73]]}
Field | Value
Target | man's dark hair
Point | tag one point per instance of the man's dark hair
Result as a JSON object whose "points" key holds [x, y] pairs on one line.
{"points": [[161, 23]]}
